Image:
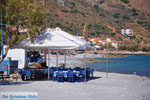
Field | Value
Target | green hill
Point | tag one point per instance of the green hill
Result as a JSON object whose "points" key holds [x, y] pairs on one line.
{"points": [[102, 17]]}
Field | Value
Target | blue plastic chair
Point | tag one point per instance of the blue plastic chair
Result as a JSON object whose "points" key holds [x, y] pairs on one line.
{"points": [[89, 72], [26, 74], [77, 68], [92, 71], [82, 72], [71, 76], [60, 76], [39, 59], [19, 71], [28, 59], [52, 73]]}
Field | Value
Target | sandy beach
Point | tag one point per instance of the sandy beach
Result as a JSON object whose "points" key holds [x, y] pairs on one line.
{"points": [[115, 87]]}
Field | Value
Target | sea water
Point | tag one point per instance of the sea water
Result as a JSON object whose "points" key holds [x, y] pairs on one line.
{"points": [[139, 65]]}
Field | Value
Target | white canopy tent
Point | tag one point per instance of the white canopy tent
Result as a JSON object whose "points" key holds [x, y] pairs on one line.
{"points": [[54, 39], [49, 40]]}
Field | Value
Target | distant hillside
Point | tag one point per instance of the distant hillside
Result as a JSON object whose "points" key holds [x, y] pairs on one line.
{"points": [[102, 17]]}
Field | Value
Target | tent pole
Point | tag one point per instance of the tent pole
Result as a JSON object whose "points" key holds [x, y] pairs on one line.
{"points": [[48, 64], [57, 59], [44, 56], [65, 59], [26, 63], [85, 67]]}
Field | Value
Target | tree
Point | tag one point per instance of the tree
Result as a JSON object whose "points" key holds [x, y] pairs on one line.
{"points": [[125, 1], [96, 7], [112, 34], [21, 14], [116, 15], [126, 17]]}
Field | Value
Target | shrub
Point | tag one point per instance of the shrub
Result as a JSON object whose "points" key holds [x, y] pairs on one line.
{"points": [[67, 22], [101, 1], [74, 11], [83, 14], [117, 21], [148, 28], [125, 1], [132, 37], [133, 10], [102, 15], [65, 11], [146, 49], [56, 15], [98, 33], [89, 26], [122, 47], [112, 34], [116, 15], [129, 47], [120, 39], [96, 7], [96, 27], [58, 24], [73, 5], [68, 29], [92, 33], [135, 14], [132, 47], [140, 22], [126, 17]]}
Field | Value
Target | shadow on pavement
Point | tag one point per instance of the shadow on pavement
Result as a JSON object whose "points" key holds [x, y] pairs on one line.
{"points": [[14, 83]]}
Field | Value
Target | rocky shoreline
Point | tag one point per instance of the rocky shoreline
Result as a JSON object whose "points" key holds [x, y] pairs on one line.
{"points": [[125, 53]]}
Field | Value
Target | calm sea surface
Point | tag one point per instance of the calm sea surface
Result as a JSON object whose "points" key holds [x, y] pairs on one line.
{"points": [[125, 65]]}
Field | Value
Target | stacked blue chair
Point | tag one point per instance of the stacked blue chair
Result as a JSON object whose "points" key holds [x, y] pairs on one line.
{"points": [[60, 76], [82, 72], [77, 68], [52, 73], [88, 72], [71, 76], [92, 71], [26, 74]]}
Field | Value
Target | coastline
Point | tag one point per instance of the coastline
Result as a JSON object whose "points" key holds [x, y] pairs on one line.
{"points": [[124, 53]]}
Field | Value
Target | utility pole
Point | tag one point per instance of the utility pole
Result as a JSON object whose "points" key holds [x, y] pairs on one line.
{"points": [[107, 59], [2, 49]]}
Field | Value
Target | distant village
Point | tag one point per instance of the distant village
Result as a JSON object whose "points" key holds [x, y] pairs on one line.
{"points": [[100, 44]]}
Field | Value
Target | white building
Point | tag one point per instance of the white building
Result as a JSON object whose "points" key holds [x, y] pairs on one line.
{"points": [[127, 32], [17, 54], [115, 44]]}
